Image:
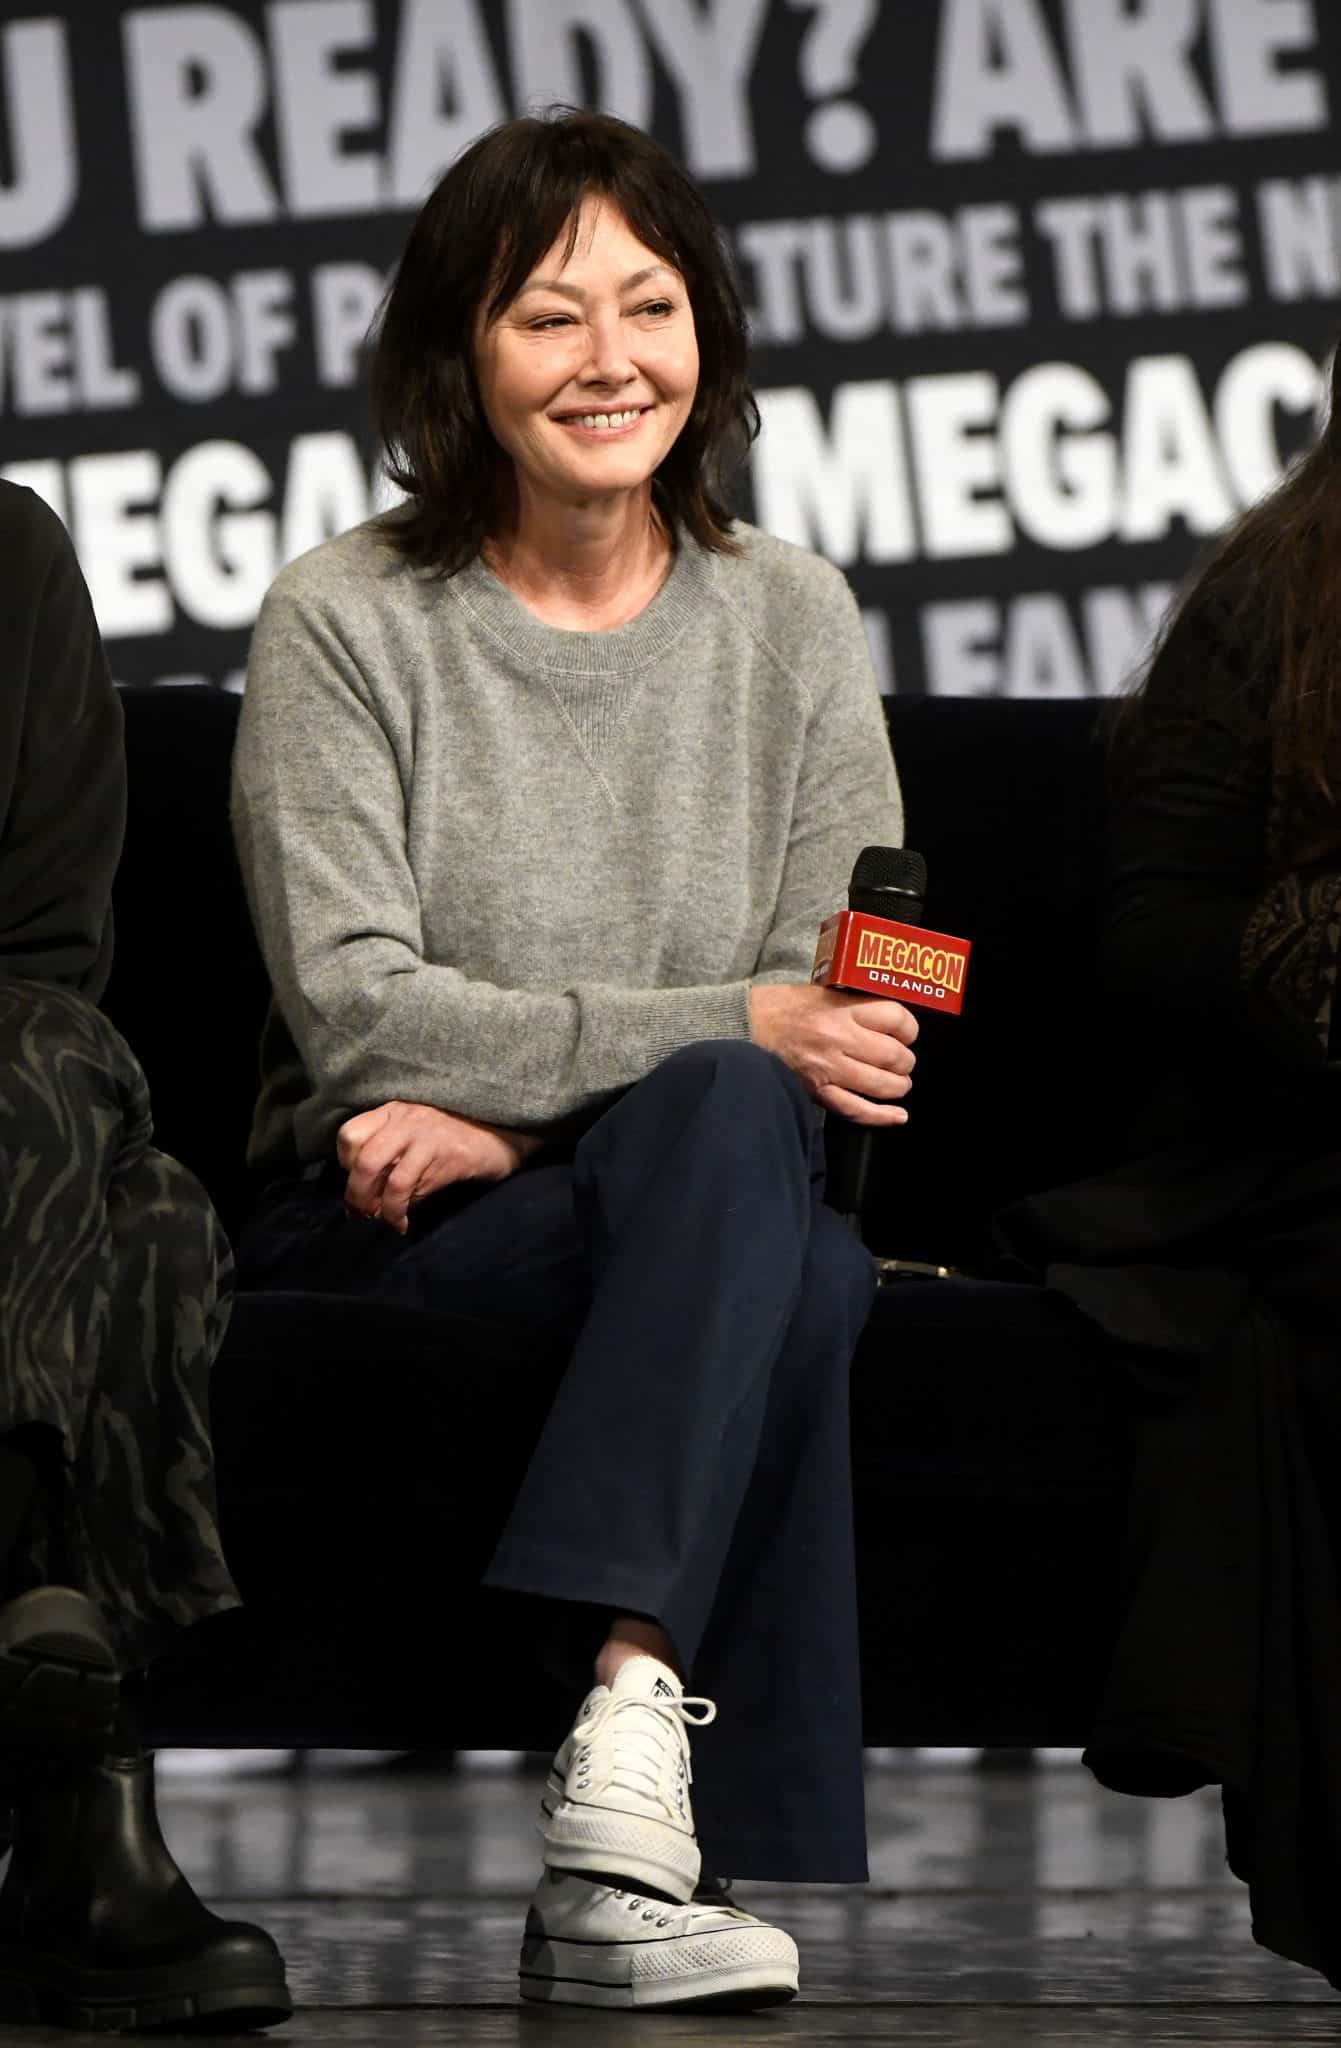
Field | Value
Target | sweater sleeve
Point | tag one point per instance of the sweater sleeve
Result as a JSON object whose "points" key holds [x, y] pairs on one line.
{"points": [[61, 834], [372, 1018], [1236, 964], [847, 797]]}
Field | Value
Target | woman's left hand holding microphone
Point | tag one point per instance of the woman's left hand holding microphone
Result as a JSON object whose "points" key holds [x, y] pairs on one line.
{"points": [[397, 1154]]}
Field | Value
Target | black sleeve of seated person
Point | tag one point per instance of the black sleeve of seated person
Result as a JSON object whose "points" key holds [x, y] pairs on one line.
{"points": [[62, 762], [1204, 947]]}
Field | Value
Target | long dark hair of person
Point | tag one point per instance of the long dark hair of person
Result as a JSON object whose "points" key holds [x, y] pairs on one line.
{"points": [[479, 236], [1252, 642]]}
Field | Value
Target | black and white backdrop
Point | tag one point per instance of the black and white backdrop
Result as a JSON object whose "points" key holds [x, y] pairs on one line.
{"points": [[1041, 290]]}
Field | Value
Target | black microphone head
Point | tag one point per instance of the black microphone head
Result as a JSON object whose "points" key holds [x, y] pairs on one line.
{"points": [[889, 881], [890, 867]]}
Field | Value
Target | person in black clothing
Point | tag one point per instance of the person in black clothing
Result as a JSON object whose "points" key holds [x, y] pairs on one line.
{"points": [[115, 1285], [1214, 1252]]}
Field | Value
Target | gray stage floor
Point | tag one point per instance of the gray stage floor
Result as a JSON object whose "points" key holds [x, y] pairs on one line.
{"points": [[1013, 1908]]}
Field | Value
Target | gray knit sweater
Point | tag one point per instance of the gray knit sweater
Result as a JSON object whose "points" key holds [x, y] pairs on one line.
{"points": [[506, 868]]}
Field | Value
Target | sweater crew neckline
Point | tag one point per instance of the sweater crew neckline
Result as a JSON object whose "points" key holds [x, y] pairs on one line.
{"points": [[571, 651]]}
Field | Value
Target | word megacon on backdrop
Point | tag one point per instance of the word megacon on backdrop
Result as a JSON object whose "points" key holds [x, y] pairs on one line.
{"points": [[1040, 290]]}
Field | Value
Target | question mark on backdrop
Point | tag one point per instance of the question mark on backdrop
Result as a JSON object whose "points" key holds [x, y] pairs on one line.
{"points": [[840, 135]]}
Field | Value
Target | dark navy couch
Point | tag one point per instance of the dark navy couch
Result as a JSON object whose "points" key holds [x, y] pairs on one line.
{"points": [[367, 1458]]}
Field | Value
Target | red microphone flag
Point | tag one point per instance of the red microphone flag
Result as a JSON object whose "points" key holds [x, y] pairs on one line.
{"points": [[871, 956]]}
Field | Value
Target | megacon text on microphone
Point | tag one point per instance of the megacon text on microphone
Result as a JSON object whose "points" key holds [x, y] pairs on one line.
{"points": [[875, 956]]}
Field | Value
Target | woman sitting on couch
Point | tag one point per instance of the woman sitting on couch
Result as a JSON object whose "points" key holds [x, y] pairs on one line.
{"points": [[1213, 1253], [543, 786]]}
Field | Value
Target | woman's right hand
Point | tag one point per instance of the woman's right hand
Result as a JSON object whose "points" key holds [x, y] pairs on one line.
{"points": [[400, 1152], [845, 1048]]}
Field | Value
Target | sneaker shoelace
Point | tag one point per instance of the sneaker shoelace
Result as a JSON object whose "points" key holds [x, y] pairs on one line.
{"points": [[667, 1915], [635, 1747]]}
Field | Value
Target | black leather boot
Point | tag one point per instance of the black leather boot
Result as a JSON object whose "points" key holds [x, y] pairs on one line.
{"points": [[98, 1926]]}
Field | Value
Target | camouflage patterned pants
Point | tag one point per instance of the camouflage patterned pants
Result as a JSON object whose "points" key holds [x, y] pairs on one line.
{"points": [[115, 1288]]}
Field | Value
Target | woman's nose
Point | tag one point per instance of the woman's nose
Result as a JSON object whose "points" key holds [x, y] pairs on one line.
{"points": [[608, 355]]}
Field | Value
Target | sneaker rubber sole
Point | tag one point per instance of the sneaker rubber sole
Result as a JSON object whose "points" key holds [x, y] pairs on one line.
{"points": [[59, 1680], [603, 1841], [741, 1978]]}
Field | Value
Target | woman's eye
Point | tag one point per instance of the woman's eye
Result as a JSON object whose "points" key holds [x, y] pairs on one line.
{"points": [[659, 308]]}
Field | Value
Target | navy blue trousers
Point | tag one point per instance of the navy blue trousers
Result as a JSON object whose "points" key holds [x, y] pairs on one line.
{"points": [[695, 1466]]}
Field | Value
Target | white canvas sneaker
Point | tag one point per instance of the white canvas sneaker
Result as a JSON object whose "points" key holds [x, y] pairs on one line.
{"points": [[588, 1945], [617, 1797]]}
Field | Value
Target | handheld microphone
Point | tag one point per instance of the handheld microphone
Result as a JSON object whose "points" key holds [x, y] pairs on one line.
{"points": [[878, 947]]}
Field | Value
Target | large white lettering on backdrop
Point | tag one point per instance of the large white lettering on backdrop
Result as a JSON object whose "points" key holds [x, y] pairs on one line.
{"points": [[206, 337], [955, 466], [203, 539], [1122, 72], [1147, 331], [201, 81], [39, 121]]}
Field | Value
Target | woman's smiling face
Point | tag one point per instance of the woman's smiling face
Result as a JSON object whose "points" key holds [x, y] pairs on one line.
{"points": [[588, 376]]}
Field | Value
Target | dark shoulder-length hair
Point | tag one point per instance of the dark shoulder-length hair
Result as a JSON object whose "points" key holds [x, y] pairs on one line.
{"points": [[479, 236], [1252, 642]]}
